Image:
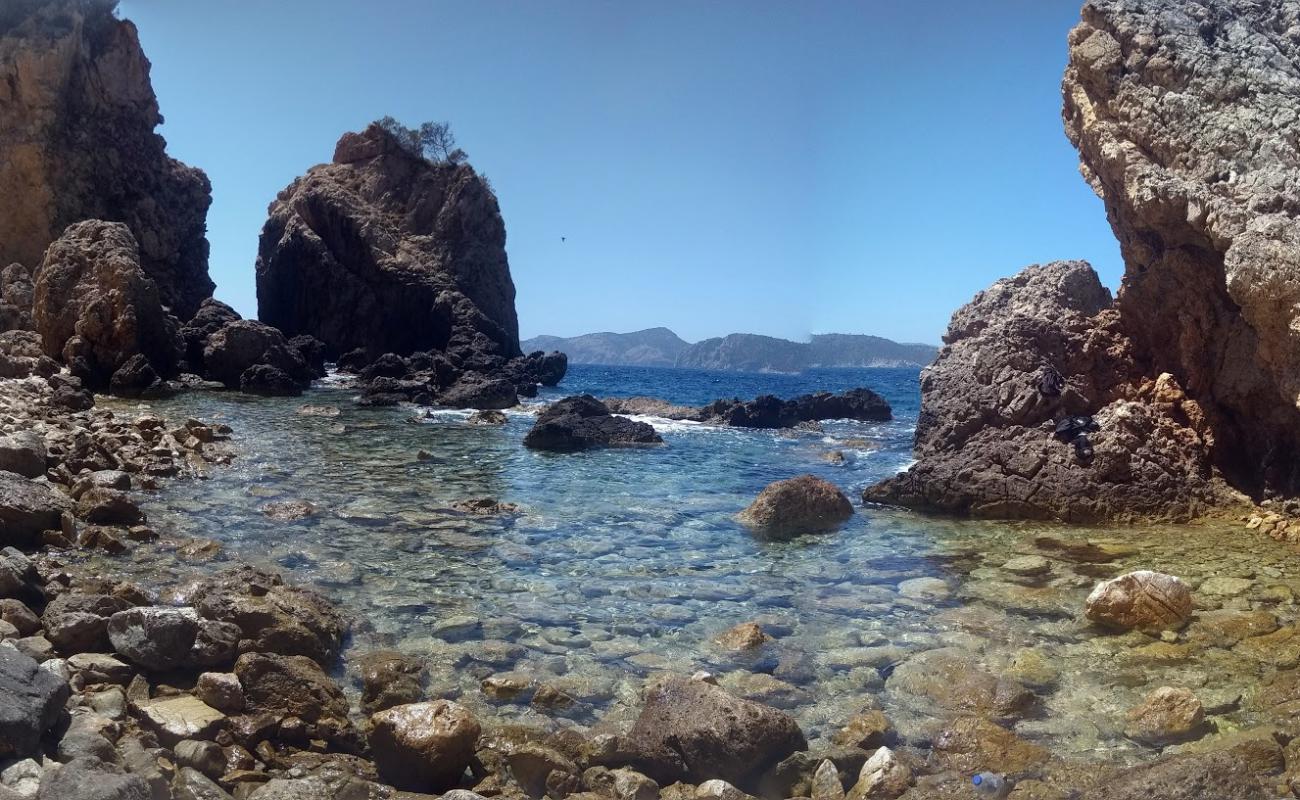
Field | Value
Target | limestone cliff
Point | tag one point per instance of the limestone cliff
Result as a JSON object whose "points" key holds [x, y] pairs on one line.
{"points": [[77, 119], [385, 251]]}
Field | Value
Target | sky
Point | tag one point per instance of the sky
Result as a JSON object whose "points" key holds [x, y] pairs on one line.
{"points": [[714, 166]]}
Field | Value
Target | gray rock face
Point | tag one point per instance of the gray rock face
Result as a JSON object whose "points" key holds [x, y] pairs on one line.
{"points": [[385, 251], [1026, 355], [96, 308], [235, 352], [693, 731], [31, 700], [1184, 118], [15, 298], [27, 508], [1223, 776], [24, 453], [92, 779], [77, 119]]}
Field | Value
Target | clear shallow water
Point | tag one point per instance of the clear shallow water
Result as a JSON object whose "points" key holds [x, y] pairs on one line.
{"points": [[627, 563]]}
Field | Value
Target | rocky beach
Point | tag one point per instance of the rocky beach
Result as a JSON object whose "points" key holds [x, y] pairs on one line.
{"points": [[366, 547]]}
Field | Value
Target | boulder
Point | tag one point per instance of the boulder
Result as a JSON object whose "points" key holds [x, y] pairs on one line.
{"points": [[693, 731], [1141, 600], [272, 616], [582, 422], [1221, 775], [31, 700], [1036, 409], [424, 746], [242, 345], [212, 316], [163, 638], [181, 717], [480, 392], [78, 623], [806, 504], [290, 686], [96, 307], [78, 131], [23, 452], [92, 779], [883, 775], [27, 508], [103, 506], [16, 290], [389, 678]]}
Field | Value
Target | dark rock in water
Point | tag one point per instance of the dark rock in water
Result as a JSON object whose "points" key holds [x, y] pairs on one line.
{"points": [[269, 380], [239, 346], [693, 731], [104, 506], [96, 308], [582, 422], [272, 616], [353, 361], [806, 504], [135, 378], [389, 365], [389, 678], [987, 440], [79, 142], [27, 508], [212, 316], [768, 411], [31, 700], [480, 392], [91, 779], [312, 351]]}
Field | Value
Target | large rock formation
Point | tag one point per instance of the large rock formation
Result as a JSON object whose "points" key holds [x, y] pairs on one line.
{"points": [[96, 309], [386, 251], [1184, 115], [1035, 409], [77, 119]]}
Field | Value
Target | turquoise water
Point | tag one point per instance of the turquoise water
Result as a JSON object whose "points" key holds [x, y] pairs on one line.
{"points": [[623, 564]]}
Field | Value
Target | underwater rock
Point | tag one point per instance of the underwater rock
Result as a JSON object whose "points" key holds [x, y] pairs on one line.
{"points": [[805, 504], [1141, 600], [1165, 716]]}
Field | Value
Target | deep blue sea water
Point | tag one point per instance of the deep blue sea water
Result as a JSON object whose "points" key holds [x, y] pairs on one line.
{"points": [[625, 564]]}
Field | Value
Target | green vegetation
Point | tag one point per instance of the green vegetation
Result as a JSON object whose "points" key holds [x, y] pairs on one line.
{"points": [[432, 141]]}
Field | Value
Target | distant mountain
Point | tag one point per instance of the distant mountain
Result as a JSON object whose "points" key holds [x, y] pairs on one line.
{"points": [[746, 352], [653, 347]]}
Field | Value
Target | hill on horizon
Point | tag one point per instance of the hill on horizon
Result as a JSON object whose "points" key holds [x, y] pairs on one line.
{"points": [[748, 352]]}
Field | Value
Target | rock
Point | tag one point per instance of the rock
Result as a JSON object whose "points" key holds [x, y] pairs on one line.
{"points": [[221, 690], [78, 125], [31, 700], [23, 453], [108, 507], [1167, 715], [720, 790], [1141, 600], [191, 784], [620, 784], [583, 422], [826, 782], [92, 779], [694, 731], [485, 507], [161, 638], [389, 678], [490, 417], [211, 316], [1223, 776], [952, 680], [95, 668], [16, 290], [17, 614], [869, 730], [181, 717], [256, 357], [384, 251], [986, 443], [96, 308], [272, 616], [1028, 566], [27, 508], [650, 407], [745, 636], [477, 391], [884, 775], [424, 746], [972, 744], [806, 504], [78, 623], [541, 771], [281, 687], [206, 757], [289, 510], [768, 411]]}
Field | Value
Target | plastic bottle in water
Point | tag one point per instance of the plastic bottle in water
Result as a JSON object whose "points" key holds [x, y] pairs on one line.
{"points": [[991, 784]]}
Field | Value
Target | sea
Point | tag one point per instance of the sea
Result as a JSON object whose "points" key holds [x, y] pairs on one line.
{"points": [[621, 566]]}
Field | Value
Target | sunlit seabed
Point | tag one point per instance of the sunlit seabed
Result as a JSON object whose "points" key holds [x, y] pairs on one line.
{"points": [[626, 563]]}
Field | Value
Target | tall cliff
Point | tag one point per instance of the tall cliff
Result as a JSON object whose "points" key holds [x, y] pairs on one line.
{"points": [[77, 119], [386, 251]]}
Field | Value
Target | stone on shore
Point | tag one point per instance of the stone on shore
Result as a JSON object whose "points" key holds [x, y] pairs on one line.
{"points": [[424, 746], [806, 504], [884, 775], [27, 508], [31, 700]]}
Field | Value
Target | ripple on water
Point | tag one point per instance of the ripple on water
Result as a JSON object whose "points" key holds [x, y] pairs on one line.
{"points": [[627, 563]]}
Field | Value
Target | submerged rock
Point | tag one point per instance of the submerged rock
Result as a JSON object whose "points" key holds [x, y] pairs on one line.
{"points": [[1222, 775], [1165, 716], [583, 422], [806, 504]]}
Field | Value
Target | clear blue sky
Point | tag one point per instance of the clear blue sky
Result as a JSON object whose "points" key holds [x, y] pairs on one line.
{"points": [[715, 166]]}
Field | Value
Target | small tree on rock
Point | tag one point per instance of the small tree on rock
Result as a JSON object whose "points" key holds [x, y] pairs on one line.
{"points": [[432, 141]]}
